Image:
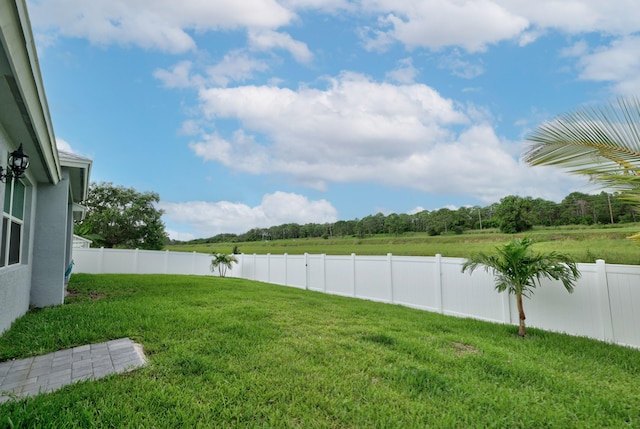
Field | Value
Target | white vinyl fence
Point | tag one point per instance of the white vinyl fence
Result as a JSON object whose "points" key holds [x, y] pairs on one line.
{"points": [[122, 261], [605, 304]]}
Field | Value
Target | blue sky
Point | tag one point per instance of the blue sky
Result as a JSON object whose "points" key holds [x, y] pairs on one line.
{"points": [[253, 113]]}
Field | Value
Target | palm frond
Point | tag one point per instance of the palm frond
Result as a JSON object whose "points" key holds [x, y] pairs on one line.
{"points": [[602, 142], [518, 270]]}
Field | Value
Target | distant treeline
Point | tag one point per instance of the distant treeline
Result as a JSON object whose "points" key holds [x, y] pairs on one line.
{"points": [[511, 214]]}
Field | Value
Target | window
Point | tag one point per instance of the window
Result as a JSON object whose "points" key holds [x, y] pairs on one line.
{"points": [[12, 223]]}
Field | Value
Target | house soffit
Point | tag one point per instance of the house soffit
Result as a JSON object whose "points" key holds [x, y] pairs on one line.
{"points": [[24, 113]]}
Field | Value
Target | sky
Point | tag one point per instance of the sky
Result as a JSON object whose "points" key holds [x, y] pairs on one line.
{"points": [[253, 113]]}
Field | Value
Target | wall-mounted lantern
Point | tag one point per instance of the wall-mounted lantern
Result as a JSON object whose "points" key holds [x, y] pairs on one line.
{"points": [[18, 163]]}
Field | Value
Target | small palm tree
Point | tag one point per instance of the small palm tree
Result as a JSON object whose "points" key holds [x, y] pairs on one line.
{"points": [[222, 262], [517, 268]]}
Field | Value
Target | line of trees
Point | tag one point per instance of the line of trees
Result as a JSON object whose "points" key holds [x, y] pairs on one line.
{"points": [[512, 214]]}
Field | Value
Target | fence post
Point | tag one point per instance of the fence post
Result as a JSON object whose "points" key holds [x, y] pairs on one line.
{"points": [[390, 265], [166, 262], [268, 267], [101, 261], [254, 267], [506, 307], [306, 271], [605, 301], [136, 253], [193, 263], [285, 270], [353, 266], [438, 282], [324, 272]]}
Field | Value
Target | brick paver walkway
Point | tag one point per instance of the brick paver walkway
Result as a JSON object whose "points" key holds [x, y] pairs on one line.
{"points": [[41, 374]]}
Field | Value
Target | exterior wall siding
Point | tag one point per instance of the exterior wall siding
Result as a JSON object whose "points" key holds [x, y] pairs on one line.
{"points": [[14, 294], [15, 280], [50, 246]]}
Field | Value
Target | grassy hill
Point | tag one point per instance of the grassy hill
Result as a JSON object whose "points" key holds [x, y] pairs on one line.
{"points": [[585, 243]]}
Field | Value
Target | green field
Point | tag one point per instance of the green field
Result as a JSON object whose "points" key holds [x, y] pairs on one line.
{"points": [[585, 244], [233, 353]]}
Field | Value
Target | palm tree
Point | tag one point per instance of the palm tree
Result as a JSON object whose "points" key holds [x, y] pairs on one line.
{"points": [[517, 268], [222, 262], [601, 142]]}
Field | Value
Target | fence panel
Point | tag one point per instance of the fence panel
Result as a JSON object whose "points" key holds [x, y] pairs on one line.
{"points": [[373, 278], [414, 283], [148, 262], [277, 269], [247, 267], [339, 275], [115, 261], [473, 295], [316, 278], [261, 268], [203, 266], [296, 271], [87, 261], [551, 307], [176, 263], [624, 299]]}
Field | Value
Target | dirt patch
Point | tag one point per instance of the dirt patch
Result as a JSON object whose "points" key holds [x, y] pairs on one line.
{"points": [[464, 349], [91, 295]]}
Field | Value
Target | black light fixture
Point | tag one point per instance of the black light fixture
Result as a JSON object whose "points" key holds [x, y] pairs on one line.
{"points": [[18, 163]]}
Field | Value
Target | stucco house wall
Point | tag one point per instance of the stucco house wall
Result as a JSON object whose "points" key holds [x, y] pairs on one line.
{"points": [[15, 280], [54, 185]]}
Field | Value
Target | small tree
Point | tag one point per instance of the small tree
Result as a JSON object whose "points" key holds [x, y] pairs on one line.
{"points": [[123, 217], [517, 268], [222, 262]]}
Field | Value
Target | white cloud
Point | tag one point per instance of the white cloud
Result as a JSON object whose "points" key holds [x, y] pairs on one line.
{"points": [[617, 63], [151, 24], [190, 127], [236, 66], [435, 24], [330, 6], [360, 131], [333, 134], [460, 67], [265, 40], [404, 73], [530, 36], [211, 218], [416, 210], [472, 25], [63, 145], [579, 16], [242, 152], [180, 236], [179, 76], [475, 24], [578, 49]]}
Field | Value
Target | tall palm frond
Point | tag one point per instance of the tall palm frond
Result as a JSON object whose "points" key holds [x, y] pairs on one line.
{"points": [[601, 142]]}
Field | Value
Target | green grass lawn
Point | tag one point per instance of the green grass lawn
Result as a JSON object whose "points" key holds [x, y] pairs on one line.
{"points": [[227, 352], [584, 243]]}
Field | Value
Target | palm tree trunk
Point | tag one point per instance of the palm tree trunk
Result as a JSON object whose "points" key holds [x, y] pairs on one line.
{"points": [[521, 329]]}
